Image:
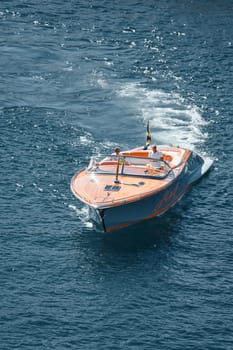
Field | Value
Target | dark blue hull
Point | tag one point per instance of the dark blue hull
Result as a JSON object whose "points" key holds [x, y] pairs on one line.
{"points": [[114, 218]]}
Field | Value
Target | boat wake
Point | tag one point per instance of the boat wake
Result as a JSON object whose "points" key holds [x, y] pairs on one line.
{"points": [[173, 120]]}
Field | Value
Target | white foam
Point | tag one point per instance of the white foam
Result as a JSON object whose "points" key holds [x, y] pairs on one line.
{"points": [[83, 214], [172, 119], [85, 139]]}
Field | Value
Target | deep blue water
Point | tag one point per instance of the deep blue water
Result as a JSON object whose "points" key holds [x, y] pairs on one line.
{"points": [[78, 78]]}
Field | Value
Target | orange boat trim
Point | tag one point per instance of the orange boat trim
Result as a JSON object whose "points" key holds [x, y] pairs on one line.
{"points": [[157, 213]]}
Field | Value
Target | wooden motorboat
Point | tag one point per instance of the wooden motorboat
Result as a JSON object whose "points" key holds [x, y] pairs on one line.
{"points": [[133, 187]]}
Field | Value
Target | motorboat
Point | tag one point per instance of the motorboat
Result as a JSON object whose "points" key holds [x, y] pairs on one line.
{"points": [[133, 187]]}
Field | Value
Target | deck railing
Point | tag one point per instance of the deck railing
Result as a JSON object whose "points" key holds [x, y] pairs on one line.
{"points": [[129, 166]]}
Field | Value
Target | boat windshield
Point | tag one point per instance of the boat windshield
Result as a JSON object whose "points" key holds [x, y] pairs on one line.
{"points": [[130, 166]]}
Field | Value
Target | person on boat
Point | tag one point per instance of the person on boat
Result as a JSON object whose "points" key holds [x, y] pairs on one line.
{"points": [[155, 153], [116, 154], [117, 151]]}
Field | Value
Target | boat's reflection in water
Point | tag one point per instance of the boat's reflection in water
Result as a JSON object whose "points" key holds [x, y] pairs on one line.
{"points": [[146, 234]]}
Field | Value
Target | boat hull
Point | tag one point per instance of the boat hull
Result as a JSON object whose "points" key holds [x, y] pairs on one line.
{"points": [[118, 217]]}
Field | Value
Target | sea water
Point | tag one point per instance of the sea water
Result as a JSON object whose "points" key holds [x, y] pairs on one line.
{"points": [[77, 79]]}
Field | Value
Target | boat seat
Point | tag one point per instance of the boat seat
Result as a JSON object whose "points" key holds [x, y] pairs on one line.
{"points": [[139, 153], [107, 162], [173, 159]]}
